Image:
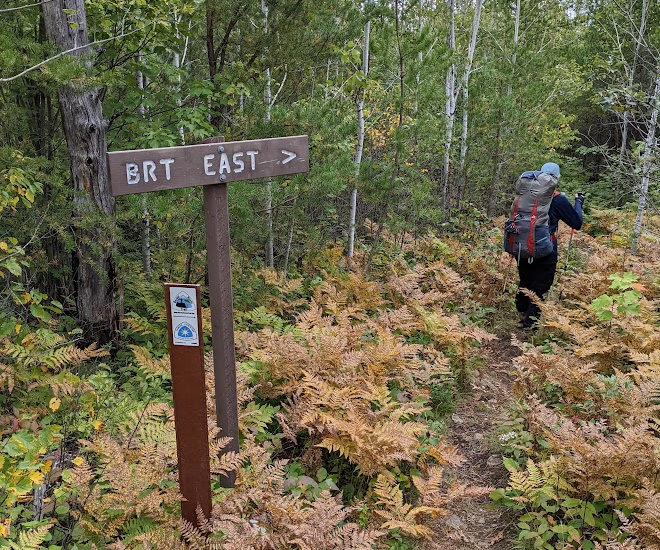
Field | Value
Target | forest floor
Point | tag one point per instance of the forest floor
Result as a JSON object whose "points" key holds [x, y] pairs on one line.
{"points": [[473, 430]]}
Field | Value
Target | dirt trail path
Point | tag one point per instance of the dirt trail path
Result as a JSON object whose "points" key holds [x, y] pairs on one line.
{"points": [[471, 429]]}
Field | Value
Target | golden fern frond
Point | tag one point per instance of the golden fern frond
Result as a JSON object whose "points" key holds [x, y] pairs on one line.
{"points": [[150, 365], [228, 462], [388, 491], [407, 527], [430, 487], [350, 537], [33, 539], [192, 535], [140, 324]]}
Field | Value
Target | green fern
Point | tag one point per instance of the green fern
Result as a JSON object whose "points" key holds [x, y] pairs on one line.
{"points": [[32, 539], [138, 526]]}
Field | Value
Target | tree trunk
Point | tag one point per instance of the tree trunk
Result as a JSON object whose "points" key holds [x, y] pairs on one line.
{"points": [[466, 78], [420, 58], [212, 58], [631, 78], [290, 240], [450, 104], [146, 229], [176, 61], [497, 163], [84, 128], [268, 100], [514, 55], [647, 162], [360, 142]]}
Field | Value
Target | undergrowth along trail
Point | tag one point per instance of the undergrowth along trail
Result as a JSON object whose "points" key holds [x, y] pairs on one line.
{"points": [[351, 435], [474, 429]]}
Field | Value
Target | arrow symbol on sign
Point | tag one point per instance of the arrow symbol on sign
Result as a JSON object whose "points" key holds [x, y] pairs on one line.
{"points": [[290, 156]]}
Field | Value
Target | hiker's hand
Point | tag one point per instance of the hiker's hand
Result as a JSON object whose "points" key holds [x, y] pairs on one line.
{"points": [[579, 197]]}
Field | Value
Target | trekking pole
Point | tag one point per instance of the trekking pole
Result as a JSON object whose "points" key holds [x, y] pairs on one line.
{"points": [[568, 250], [568, 255]]}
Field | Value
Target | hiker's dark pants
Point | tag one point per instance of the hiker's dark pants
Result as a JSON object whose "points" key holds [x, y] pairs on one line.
{"points": [[537, 277]]}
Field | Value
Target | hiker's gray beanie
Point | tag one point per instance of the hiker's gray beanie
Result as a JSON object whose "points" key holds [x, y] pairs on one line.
{"points": [[550, 168]]}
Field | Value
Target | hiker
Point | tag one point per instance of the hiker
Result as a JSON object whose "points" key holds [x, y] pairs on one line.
{"points": [[537, 267]]}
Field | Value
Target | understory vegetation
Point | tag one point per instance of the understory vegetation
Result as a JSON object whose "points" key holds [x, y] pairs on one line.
{"points": [[371, 293], [582, 443], [345, 385]]}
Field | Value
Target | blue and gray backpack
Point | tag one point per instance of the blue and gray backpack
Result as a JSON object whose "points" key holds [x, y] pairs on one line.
{"points": [[526, 232]]}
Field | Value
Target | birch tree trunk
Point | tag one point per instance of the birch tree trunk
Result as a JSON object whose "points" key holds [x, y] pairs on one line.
{"points": [[499, 164], [466, 77], [514, 55], [269, 183], [84, 127], [450, 103], [631, 78], [146, 230], [647, 163], [420, 58], [177, 61], [360, 142], [290, 240]]}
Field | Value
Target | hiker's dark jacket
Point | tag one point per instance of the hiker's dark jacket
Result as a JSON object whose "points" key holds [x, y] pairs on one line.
{"points": [[571, 215]]}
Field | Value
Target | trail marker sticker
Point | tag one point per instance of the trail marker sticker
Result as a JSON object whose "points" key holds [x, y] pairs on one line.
{"points": [[183, 310]]}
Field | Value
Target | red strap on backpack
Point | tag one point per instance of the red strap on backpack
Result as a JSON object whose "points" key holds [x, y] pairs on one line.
{"points": [[513, 217], [532, 226]]}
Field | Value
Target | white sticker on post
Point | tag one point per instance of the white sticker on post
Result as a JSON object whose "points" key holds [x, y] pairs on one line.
{"points": [[183, 305]]}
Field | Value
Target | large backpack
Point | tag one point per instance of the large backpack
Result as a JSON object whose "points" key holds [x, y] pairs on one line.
{"points": [[526, 232]]}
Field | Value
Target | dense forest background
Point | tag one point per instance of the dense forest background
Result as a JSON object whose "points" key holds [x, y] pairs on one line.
{"points": [[420, 115], [455, 101]]}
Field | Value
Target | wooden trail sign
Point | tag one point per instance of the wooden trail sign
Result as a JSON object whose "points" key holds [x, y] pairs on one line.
{"points": [[184, 323], [146, 170], [211, 164]]}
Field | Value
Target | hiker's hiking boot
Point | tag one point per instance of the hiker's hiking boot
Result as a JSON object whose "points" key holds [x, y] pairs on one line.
{"points": [[526, 322]]}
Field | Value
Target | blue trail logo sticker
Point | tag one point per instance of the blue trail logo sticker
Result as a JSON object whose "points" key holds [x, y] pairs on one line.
{"points": [[185, 324], [185, 332]]}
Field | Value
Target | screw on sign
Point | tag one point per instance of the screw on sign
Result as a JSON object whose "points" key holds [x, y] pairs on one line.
{"points": [[212, 165]]}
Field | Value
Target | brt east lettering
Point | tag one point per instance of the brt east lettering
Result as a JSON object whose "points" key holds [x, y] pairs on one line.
{"points": [[213, 164]]}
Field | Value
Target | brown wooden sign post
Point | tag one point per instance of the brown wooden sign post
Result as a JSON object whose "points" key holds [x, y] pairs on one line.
{"points": [[184, 323], [211, 164]]}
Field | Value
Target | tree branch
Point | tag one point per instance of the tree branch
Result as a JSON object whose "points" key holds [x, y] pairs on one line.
{"points": [[7, 10], [42, 63], [286, 72], [221, 51]]}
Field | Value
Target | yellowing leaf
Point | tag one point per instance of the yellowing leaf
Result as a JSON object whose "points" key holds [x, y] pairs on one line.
{"points": [[4, 528], [47, 467], [78, 461], [54, 403], [36, 477], [98, 424], [3, 246]]}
